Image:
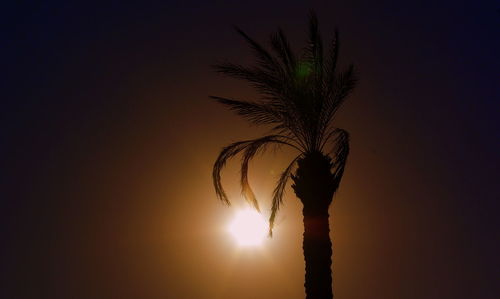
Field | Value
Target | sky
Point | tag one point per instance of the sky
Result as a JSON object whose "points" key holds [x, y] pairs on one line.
{"points": [[108, 137]]}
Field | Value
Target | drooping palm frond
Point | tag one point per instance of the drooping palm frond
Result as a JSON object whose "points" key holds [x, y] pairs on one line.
{"points": [[226, 153], [279, 192], [299, 97], [250, 148], [250, 151]]}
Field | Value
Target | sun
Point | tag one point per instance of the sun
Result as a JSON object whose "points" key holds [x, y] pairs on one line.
{"points": [[248, 228]]}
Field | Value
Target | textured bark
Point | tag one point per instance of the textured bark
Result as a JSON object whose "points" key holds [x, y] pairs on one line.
{"points": [[313, 186]]}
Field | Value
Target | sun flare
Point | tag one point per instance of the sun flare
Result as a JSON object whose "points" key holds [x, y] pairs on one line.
{"points": [[248, 228]]}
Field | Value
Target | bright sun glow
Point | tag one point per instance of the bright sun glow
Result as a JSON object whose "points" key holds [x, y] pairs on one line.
{"points": [[248, 228]]}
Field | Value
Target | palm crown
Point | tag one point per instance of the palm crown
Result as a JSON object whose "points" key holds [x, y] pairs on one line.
{"points": [[299, 99]]}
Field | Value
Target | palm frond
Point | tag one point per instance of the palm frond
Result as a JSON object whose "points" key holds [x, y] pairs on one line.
{"points": [[345, 83], [332, 58], [264, 58], [266, 82], [316, 41], [335, 137], [339, 156], [227, 153], [253, 148], [314, 50], [279, 192], [280, 45], [336, 95], [256, 113], [299, 96], [250, 148]]}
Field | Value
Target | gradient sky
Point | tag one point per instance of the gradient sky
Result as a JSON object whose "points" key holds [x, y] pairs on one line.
{"points": [[107, 139]]}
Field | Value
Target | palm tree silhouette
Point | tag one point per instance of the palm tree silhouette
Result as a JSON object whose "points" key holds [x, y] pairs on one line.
{"points": [[299, 99]]}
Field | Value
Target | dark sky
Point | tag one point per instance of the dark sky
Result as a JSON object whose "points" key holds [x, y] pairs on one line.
{"points": [[107, 138]]}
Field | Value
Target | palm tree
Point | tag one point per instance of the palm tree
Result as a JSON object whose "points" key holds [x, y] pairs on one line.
{"points": [[299, 99]]}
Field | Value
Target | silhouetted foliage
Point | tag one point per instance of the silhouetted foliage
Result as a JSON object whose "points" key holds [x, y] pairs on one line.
{"points": [[299, 96]]}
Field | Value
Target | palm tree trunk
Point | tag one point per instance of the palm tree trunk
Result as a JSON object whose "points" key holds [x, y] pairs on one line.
{"points": [[317, 254], [313, 186]]}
